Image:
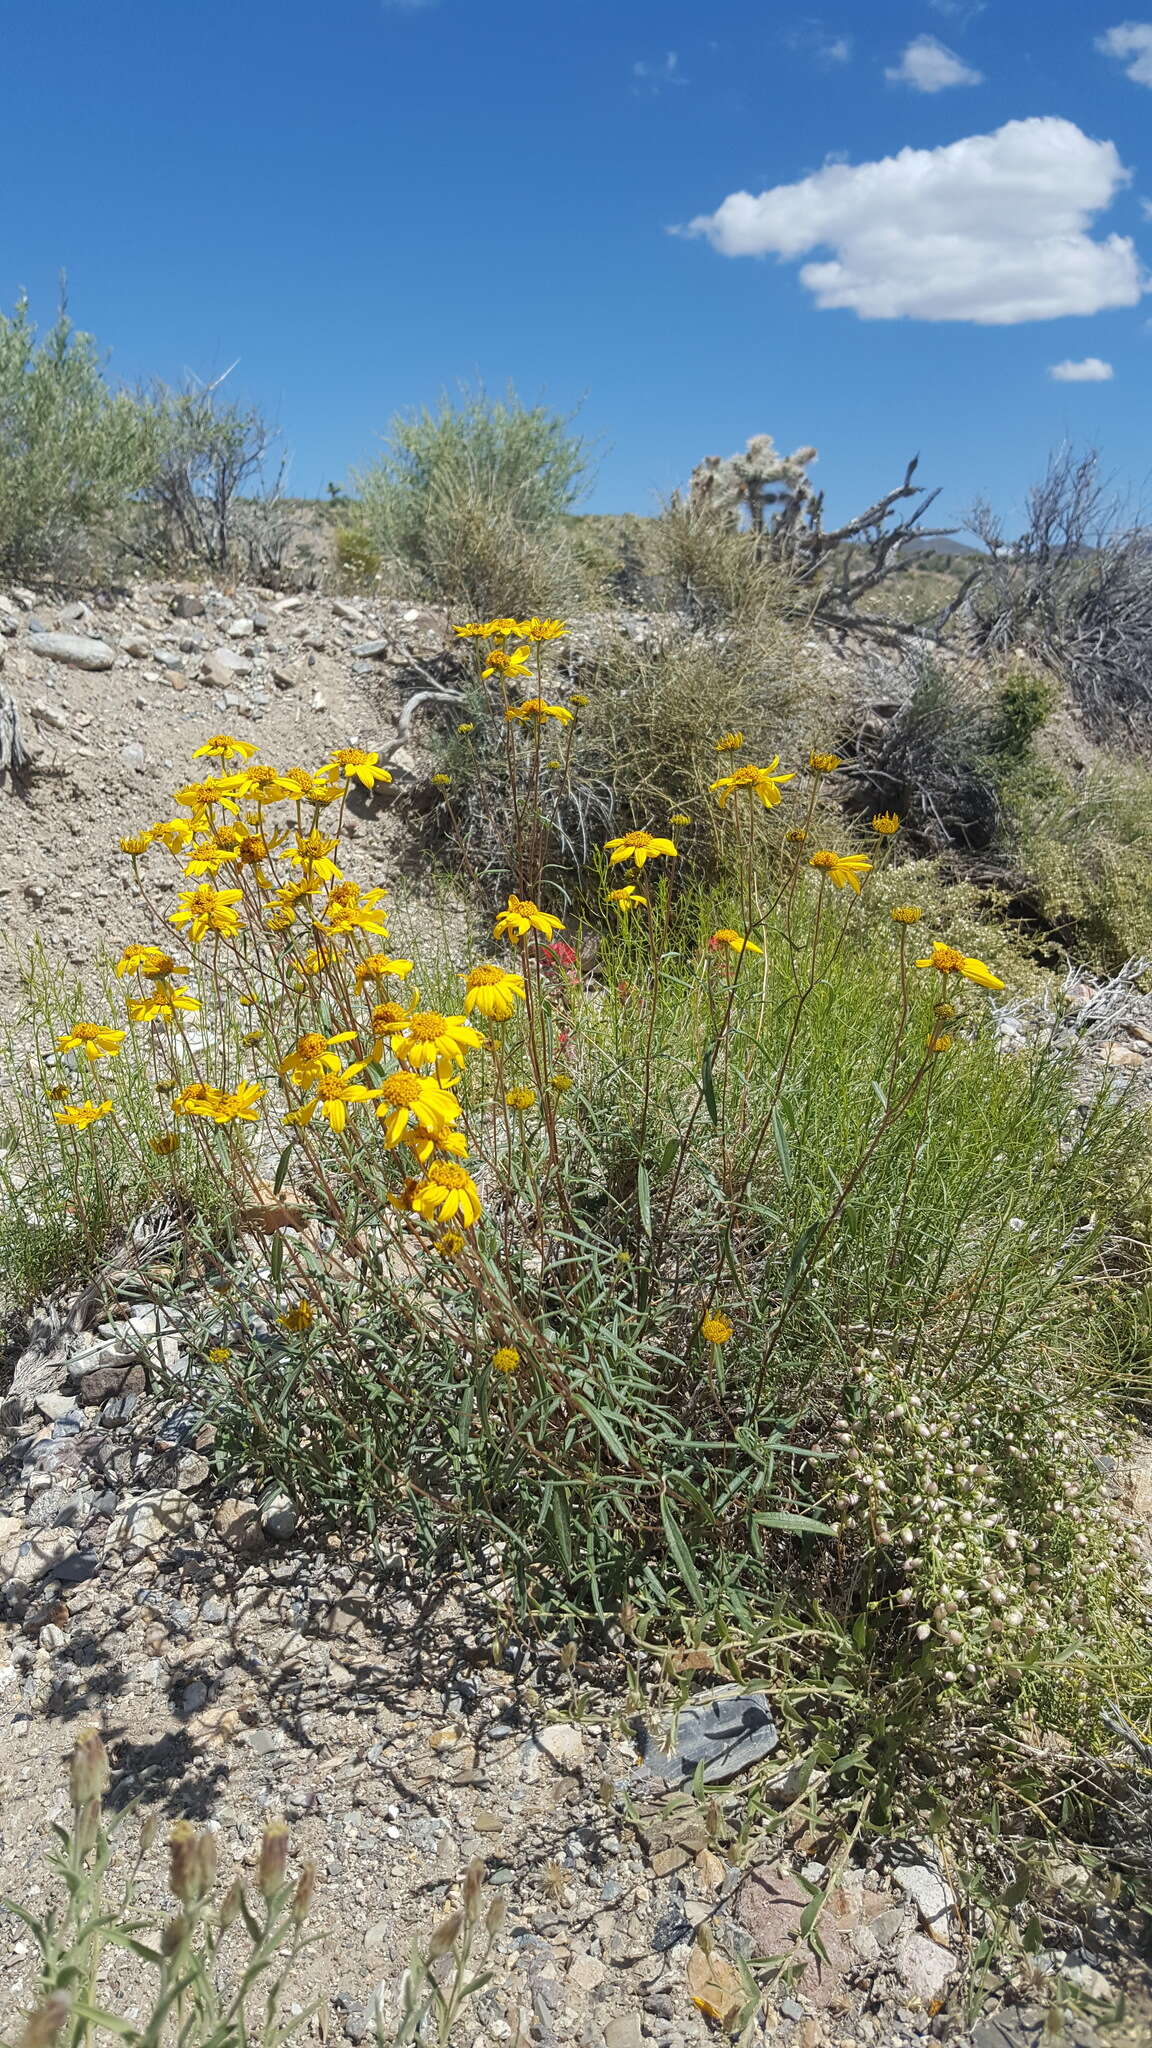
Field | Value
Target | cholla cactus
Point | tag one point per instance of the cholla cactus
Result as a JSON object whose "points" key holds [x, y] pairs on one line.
{"points": [[737, 484]]}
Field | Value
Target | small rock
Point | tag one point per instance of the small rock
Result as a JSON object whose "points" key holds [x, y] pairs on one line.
{"points": [[137, 648], [42, 1553], [1083, 1976], [710, 1872], [351, 612], [222, 665], [262, 1741], [925, 1970], [54, 1407], [49, 714], [107, 1380], [132, 754], [152, 1521], [287, 604], [372, 650], [192, 1471], [193, 1697], [727, 1734], [238, 1523], [587, 1974], [285, 680], [260, 622], [188, 606], [932, 1898], [279, 1518], [319, 701], [76, 1567], [241, 629], [77, 650], [624, 2032], [558, 1747]]}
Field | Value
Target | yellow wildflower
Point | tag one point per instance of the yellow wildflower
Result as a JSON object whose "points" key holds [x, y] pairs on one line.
{"points": [[442, 781], [425, 1143], [349, 909], [761, 783], [715, 1328], [312, 855], [447, 1193], [167, 1143], [312, 1056], [378, 966], [885, 823], [730, 742], [333, 1093], [510, 665], [638, 847], [95, 1041], [174, 834], [796, 835], [138, 958], [733, 940], [262, 785], [450, 1245], [357, 766], [505, 1358], [206, 909], [492, 991], [429, 1038], [80, 1116], [414, 1098], [523, 916], [222, 747], [940, 1041], [386, 1019], [946, 960], [301, 1317], [239, 1106], [309, 788], [679, 818], [842, 867], [537, 710], [468, 726], [197, 1099], [136, 843], [906, 913], [161, 1005], [539, 629], [209, 856], [219, 1355], [520, 1098], [824, 764], [560, 1082], [626, 898]]}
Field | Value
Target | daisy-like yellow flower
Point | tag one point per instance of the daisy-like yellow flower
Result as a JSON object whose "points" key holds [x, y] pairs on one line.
{"points": [[163, 1003], [762, 784], [378, 967], [95, 1041], [262, 785], [733, 940], [940, 1041], [885, 823], [312, 1056], [197, 1099], [138, 958], [468, 726], [679, 818], [308, 788], [471, 632], [842, 867], [206, 909], [627, 898], [80, 1116], [59, 1093], [312, 854], [387, 1018], [414, 1098], [520, 1098], [425, 1144], [429, 1038], [560, 1082], [505, 1358], [523, 916], [219, 1354], [357, 766], [448, 1194], [537, 711], [638, 847], [300, 1317], [332, 1094], [715, 1328], [823, 764], [167, 1143], [946, 960], [209, 856], [239, 1105], [540, 629], [442, 781], [450, 1245], [730, 742], [906, 913], [350, 909], [136, 843], [500, 663], [174, 834], [492, 991], [223, 747]]}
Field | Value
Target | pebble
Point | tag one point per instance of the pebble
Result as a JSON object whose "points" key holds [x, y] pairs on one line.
{"points": [[76, 650]]}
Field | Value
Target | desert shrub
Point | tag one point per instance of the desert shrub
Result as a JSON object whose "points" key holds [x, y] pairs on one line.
{"points": [[357, 558], [72, 451], [1086, 846], [709, 1260], [469, 500], [206, 501], [216, 1971], [713, 568]]}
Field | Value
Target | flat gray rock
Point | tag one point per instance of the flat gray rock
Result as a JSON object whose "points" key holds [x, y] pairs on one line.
{"points": [[76, 649], [727, 1734]]}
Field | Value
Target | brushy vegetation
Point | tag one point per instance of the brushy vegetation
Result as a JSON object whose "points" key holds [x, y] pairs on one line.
{"points": [[708, 1260], [217, 1971], [468, 502]]}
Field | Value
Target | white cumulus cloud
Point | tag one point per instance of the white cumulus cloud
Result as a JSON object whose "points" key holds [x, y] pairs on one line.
{"points": [[1090, 370], [993, 229], [1131, 43], [930, 66]]}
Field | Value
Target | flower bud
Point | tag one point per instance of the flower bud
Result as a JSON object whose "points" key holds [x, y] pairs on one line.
{"points": [[473, 1879], [273, 1859], [183, 1863], [42, 2026], [173, 1935], [496, 1916], [305, 1890], [231, 1903], [444, 1936], [89, 1774]]}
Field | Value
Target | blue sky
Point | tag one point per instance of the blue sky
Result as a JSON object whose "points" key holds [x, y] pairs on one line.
{"points": [[367, 203]]}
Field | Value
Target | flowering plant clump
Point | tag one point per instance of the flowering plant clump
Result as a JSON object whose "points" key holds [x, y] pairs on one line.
{"points": [[667, 1257]]}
